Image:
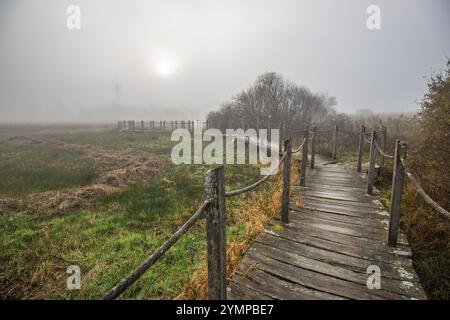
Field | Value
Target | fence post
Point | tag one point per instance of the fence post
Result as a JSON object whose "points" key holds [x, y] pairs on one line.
{"points": [[373, 157], [216, 234], [313, 148], [304, 158], [142, 125], [286, 182], [333, 148], [383, 146], [360, 147], [397, 187], [281, 137]]}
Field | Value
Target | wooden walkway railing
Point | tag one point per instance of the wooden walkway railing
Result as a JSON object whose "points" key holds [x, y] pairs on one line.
{"points": [[214, 206]]}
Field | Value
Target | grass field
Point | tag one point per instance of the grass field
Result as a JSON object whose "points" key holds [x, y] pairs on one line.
{"points": [[110, 237]]}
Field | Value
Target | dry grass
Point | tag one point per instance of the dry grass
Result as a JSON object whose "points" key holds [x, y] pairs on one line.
{"points": [[254, 211]]}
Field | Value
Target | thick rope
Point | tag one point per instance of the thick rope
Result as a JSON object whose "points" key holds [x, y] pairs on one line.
{"points": [[257, 183], [420, 191], [299, 147], [382, 152], [126, 282]]}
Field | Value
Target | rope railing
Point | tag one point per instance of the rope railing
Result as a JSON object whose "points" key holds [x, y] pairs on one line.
{"points": [[214, 209], [380, 150], [433, 204], [257, 183], [426, 197], [399, 172], [126, 282], [299, 147]]}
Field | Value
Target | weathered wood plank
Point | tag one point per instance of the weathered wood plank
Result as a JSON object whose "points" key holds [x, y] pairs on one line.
{"points": [[389, 284], [325, 250]]}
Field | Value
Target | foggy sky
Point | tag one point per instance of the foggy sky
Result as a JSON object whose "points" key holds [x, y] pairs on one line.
{"points": [[216, 49]]}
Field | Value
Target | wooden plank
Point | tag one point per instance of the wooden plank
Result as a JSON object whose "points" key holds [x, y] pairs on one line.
{"points": [[388, 284], [351, 220], [377, 254], [266, 284], [318, 281], [329, 256]]}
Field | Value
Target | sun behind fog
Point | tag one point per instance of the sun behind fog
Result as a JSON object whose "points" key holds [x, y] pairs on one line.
{"points": [[164, 67]]}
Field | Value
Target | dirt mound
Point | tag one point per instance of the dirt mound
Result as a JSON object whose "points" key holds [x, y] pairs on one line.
{"points": [[127, 167]]}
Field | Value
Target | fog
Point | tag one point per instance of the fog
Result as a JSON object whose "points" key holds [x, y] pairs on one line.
{"points": [[177, 59]]}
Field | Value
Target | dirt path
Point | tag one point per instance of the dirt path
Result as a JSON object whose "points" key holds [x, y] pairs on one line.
{"points": [[126, 168]]}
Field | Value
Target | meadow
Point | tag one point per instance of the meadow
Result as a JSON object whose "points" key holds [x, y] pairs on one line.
{"points": [[110, 236]]}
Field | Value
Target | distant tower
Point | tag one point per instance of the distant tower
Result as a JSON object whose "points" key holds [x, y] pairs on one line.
{"points": [[117, 93]]}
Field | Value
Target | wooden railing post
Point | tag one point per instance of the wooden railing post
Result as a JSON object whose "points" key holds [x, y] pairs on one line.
{"points": [[281, 137], [397, 187], [383, 146], [304, 158], [333, 147], [373, 157], [313, 148], [216, 234], [360, 148], [286, 182]]}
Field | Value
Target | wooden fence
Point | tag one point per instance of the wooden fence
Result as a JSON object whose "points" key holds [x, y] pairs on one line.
{"points": [[160, 126]]}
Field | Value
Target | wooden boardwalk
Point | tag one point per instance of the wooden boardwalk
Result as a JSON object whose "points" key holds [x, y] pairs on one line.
{"points": [[326, 249]]}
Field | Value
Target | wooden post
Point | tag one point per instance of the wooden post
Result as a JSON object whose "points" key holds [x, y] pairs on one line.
{"points": [[281, 137], [142, 125], [164, 125], [216, 234], [383, 146], [286, 182], [313, 148], [333, 147], [360, 148], [373, 157], [397, 187], [304, 158]]}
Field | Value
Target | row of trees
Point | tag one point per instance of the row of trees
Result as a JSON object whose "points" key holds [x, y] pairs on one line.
{"points": [[272, 100]]}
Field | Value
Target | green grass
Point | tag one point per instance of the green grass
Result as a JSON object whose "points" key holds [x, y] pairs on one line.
{"points": [[113, 236], [36, 168], [155, 143]]}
